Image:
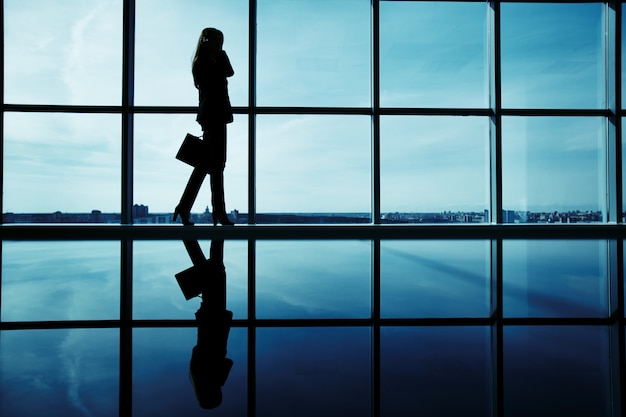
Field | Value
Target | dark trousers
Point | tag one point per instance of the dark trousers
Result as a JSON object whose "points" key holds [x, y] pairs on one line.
{"points": [[215, 139]]}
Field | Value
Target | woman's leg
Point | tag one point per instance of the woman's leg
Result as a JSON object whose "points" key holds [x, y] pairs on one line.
{"points": [[217, 193], [217, 145], [191, 190]]}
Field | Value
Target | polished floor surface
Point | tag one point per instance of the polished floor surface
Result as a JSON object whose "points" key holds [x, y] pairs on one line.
{"points": [[308, 328]]}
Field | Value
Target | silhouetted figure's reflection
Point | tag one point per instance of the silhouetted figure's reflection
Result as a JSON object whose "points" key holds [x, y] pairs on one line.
{"points": [[210, 69], [209, 367]]}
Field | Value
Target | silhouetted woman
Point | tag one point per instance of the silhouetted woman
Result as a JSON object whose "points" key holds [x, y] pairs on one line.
{"points": [[210, 69]]}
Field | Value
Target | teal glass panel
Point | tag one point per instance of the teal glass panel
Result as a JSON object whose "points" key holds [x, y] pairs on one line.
{"points": [[313, 279], [432, 165], [435, 371], [313, 53], [433, 54], [313, 371], [166, 36], [162, 375], [314, 164], [555, 278], [554, 169], [66, 52], [160, 178], [45, 281], [64, 372], [159, 294], [434, 279], [65, 167], [550, 370], [553, 55]]}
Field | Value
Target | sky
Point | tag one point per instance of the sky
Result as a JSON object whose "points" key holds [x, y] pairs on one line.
{"points": [[309, 53]]}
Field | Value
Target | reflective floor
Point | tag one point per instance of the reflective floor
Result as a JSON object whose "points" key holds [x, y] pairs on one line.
{"points": [[310, 328]]}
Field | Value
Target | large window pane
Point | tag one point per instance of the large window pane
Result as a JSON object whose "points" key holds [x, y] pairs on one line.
{"points": [[313, 53], [44, 281], [67, 52], [160, 178], [59, 162], [314, 164], [554, 169], [434, 279], [166, 38], [65, 372], [553, 55], [313, 279], [566, 278], [432, 165], [433, 54]]}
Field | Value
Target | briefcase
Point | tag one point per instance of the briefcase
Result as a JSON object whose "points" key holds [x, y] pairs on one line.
{"points": [[193, 151]]}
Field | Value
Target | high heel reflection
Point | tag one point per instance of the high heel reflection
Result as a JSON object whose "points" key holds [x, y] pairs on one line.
{"points": [[209, 367]]}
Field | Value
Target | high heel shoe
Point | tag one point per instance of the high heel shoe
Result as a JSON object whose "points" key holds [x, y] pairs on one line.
{"points": [[184, 217], [222, 218]]}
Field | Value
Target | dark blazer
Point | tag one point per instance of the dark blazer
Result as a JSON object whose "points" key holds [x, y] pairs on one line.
{"points": [[209, 75]]}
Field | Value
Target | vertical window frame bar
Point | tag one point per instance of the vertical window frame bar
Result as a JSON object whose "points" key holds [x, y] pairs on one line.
{"points": [[495, 98], [375, 157], [252, 110], [128, 88], [496, 215], [126, 245], [376, 368]]}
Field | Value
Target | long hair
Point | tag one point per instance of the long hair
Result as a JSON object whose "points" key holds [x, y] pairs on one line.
{"points": [[209, 38]]}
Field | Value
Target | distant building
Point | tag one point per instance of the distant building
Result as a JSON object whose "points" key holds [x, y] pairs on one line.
{"points": [[140, 211]]}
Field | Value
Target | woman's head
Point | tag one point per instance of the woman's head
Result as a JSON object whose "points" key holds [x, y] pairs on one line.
{"points": [[211, 38]]}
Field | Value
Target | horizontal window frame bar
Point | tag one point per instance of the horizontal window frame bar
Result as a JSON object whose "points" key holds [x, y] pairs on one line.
{"points": [[313, 322], [99, 232], [362, 111]]}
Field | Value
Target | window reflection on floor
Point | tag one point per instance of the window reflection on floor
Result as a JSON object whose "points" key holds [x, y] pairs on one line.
{"points": [[311, 343]]}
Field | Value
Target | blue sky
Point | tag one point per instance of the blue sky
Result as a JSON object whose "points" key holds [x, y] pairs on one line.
{"points": [[309, 53]]}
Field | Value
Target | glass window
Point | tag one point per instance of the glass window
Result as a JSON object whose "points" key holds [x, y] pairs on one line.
{"points": [[313, 279], [435, 371], [557, 370], [166, 36], [66, 52], [554, 169], [313, 371], [314, 164], [553, 55], [564, 278], [433, 54], [63, 166], [432, 165], [160, 290], [160, 178], [313, 53], [425, 279]]}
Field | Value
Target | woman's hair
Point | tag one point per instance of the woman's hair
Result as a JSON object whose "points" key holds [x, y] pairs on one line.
{"points": [[210, 38]]}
